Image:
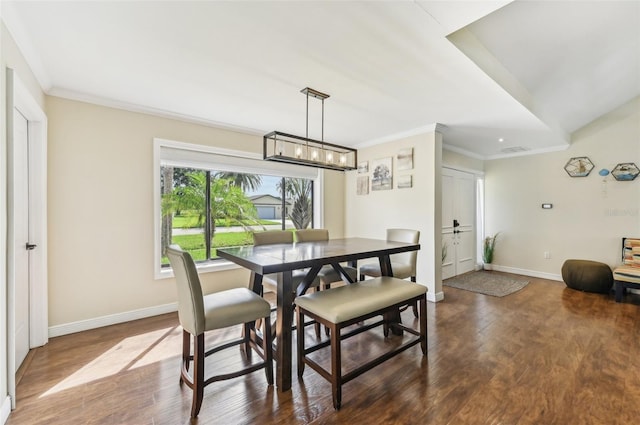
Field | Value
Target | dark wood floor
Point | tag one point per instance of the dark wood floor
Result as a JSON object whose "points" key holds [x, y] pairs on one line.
{"points": [[544, 355]]}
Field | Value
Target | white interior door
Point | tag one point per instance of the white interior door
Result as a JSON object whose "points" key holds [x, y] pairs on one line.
{"points": [[27, 299], [448, 215], [458, 222], [21, 199]]}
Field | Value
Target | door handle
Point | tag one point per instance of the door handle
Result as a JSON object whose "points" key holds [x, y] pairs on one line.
{"points": [[455, 223], [30, 246]]}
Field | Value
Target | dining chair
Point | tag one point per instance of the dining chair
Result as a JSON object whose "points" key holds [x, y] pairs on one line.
{"points": [[270, 282], [270, 237], [403, 265], [327, 274], [200, 313]]}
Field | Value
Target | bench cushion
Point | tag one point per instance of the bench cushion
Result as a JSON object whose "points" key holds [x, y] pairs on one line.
{"points": [[348, 302], [627, 274], [631, 252]]}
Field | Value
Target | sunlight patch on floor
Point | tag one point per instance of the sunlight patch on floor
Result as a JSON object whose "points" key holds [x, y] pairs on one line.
{"points": [[130, 353]]}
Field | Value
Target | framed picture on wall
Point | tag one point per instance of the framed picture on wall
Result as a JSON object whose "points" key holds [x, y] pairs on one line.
{"points": [[405, 159], [382, 174], [362, 185], [405, 182], [363, 167]]}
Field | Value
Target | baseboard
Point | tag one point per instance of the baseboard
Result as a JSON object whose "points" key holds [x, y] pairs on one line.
{"points": [[112, 319], [524, 272], [5, 410], [437, 297]]}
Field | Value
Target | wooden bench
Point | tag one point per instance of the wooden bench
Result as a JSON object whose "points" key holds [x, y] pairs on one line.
{"points": [[340, 307], [628, 274]]}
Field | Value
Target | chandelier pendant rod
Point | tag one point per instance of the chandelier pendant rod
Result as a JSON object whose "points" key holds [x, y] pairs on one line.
{"points": [[322, 123], [307, 130]]}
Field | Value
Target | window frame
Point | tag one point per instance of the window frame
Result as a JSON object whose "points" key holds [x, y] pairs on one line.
{"points": [[182, 154]]}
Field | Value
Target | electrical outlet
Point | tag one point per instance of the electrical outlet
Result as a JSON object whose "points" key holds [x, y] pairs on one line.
{"points": [[547, 255]]}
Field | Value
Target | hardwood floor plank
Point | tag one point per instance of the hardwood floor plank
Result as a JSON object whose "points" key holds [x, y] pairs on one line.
{"points": [[544, 355]]}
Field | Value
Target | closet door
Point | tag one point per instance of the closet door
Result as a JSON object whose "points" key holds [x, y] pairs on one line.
{"points": [[458, 222]]}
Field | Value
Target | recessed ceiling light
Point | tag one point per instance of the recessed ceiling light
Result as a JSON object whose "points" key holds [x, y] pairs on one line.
{"points": [[501, 140]]}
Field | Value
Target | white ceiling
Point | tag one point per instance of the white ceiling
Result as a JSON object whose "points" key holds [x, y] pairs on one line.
{"points": [[530, 72]]}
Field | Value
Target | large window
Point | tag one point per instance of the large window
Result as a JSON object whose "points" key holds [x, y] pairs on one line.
{"points": [[210, 198]]}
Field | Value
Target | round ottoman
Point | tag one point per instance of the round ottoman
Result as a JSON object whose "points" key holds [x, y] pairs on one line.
{"points": [[588, 276]]}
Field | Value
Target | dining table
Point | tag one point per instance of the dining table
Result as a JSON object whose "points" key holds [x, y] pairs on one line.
{"points": [[284, 259]]}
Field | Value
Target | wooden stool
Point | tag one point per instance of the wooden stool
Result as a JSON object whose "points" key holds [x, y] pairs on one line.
{"points": [[628, 274]]}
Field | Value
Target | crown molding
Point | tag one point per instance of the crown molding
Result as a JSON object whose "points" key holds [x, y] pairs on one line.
{"points": [[132, 107], [25, 45], [397, 136]]}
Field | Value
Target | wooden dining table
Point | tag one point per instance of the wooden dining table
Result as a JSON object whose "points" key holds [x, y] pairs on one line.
{"points": [[283, 259]]}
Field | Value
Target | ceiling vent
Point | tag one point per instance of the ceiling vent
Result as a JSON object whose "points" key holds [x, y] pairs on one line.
{"points": [[514, 149]]}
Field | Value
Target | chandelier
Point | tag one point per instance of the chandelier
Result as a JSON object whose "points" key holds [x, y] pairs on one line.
{"points": [[282, 147]]}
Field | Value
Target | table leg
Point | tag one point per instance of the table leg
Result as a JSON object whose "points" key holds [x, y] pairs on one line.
{"points": [[392, 316], [255, 283], [343, 275], [385, 265], [284, 322]]}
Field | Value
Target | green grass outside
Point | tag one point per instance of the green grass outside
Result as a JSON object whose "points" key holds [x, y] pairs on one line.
{"points": [[195, 244]]}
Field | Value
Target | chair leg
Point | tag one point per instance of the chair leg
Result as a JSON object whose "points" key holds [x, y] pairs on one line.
{"points": [[186, 352], [361, 277], [326, 328], [415, 304], [267, 349], [198, 374], [619, 290], [336, 367], [300, 351], [423, 325], [246, 336]]}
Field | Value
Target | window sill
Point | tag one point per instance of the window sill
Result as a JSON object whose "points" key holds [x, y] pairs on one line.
{"points": [[204, 267]]}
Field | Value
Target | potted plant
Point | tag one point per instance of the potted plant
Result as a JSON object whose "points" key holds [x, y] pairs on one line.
{"points": [[487, 253]]}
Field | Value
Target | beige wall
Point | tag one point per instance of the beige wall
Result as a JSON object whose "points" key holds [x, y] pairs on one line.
{"points": [[415, 208], [585, 222], [462, 162], [333, 203], [101, 208]]}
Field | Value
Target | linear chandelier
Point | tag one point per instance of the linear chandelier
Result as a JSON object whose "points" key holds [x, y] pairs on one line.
{"points": [[282, 147]]}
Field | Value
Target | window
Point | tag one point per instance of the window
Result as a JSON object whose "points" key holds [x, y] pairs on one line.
{"points": [[209, 198]]}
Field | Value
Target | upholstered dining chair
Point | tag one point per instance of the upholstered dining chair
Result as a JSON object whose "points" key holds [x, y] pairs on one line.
{"points": [[270, 237], [200, 313], [270, 282], [327, 274], [403, 265]]}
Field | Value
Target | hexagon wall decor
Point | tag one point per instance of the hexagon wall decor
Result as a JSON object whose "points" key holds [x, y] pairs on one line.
{"points": [[579, 166], [625, 172]]}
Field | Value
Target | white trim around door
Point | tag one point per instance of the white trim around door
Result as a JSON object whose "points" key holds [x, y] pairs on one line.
{"points": [[19, 98]]}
